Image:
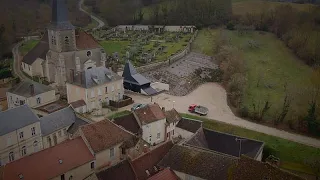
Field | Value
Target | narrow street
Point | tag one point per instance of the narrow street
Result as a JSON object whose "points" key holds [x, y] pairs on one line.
{"points": [[17, 62], [100, 23]]}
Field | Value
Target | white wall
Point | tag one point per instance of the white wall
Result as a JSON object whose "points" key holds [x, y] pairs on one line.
{"points": [[62, 136], [152, 129], [183, 133], [14, 100], [27, 68], [45, 98]]}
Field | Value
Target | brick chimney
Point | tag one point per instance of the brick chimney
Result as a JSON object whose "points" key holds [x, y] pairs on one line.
{"points": [[31, 89]]}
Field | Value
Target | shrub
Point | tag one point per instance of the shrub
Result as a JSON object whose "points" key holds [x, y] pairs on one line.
{"points": [[267, 151], [243, 112], [230, 25]]}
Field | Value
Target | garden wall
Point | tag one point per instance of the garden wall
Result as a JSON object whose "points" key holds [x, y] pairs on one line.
{"points": [[171, 59], [147, 27], [122, 103]]}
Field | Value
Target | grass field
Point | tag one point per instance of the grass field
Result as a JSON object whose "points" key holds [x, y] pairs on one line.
{"points": [[291, 154], [242, 7], [204, 42], [114, 46], [268, 68], [27, 46]]}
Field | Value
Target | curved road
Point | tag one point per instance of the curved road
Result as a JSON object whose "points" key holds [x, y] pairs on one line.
{"points": [[100, 23], [214, 97]]}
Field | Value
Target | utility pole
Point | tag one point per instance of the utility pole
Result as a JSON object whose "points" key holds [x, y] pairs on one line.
{"points": [[240, 141]]}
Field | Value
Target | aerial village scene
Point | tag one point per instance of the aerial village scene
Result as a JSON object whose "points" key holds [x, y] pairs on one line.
{"points": [[160, 90]]}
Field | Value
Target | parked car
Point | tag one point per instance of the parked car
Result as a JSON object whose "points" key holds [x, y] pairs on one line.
{"points": [[137, 106], [201, 110]]}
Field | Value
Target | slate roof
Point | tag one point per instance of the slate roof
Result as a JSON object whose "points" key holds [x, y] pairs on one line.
{"points": [[76, 125], [166, 174], [199, 163], [149, 113], [104, 135], [23, 89], [16, 118], [130, 75], [53, 107], [45, 164], [247, 169], [189, 125], [39, 51], [97, 76], [57, 120], [86, 41], [128, 122], [121, 171], [226, 143], [149, 160], [172, 116], [59, 16], [78, 103]]}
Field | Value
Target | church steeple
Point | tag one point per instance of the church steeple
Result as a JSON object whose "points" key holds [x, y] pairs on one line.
{"points": [[59, 18]]}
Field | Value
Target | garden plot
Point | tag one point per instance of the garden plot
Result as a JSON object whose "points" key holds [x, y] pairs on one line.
{"points": [[182, 75]]}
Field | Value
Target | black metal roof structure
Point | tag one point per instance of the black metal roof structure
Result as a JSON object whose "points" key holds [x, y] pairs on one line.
{"points": [[59, 19], [131, 75]]}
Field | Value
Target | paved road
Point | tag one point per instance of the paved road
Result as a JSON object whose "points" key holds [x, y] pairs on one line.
{"points": [[100, 23], [214, 97], [17, 62]]}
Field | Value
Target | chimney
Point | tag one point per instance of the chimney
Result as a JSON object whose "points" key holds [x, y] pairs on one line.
{"points": [[71, 75], [31, 89], [163, 109]]}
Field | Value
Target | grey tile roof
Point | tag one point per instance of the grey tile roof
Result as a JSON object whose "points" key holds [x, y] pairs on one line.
{"points": [[97, 76], [23, 88], [189, 125], [16, 118], [226, 143], [57, 120], [39, 51], [59, 19], [199, 163], [130, 75], [75, 126]]}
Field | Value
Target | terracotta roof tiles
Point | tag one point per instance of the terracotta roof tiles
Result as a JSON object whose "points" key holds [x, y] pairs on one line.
{"points": [[172, 116], [166, 174], [86, 41], [104, 135], [149, 113], [128, 122], [121, 171]]}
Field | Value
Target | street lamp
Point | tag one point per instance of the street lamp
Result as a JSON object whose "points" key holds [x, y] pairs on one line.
{"points": [[173, 103], [240, 141]]}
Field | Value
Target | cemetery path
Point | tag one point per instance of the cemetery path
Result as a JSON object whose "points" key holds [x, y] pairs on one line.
{"points": [[100, 23], [214, 96]]}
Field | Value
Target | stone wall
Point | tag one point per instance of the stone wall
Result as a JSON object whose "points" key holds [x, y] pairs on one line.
{"points": [[170, 60], [147, 27]]}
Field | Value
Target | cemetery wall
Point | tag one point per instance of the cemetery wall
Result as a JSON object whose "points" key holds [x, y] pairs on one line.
{"points": [[171, 59], [146, 28]]}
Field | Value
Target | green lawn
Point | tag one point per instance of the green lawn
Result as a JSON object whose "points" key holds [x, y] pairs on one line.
{"points": [[204, 42], [114, 46], [119, 114], [291, 154], [268, 68], [27, 46]]}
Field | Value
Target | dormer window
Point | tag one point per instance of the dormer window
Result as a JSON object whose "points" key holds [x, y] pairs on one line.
{"points": [[66, 40], [88, 53]]}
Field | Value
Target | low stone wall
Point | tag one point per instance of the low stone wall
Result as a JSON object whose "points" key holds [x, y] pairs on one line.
{"points": [[125, 102], [148, 27], [170, 60]]}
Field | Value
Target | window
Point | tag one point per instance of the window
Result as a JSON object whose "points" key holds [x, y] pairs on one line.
{"points": [[23, 151], [111, 152], [22, 102], [66, 40], [29, 68], [49, 141], [62, 177], [92, 93], [92, 165], [106, 90], [38, 100], [59, 133], [99, 92], [21, 135], [33, 131], [11, 156], [71, 177], [65, 131], [88, 53], [172, 132], [158, 135], [35, 146]]}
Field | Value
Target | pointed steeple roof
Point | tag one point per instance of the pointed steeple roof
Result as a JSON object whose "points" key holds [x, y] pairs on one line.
{"points": [[59, 19], [131, 75], [129, 69]]}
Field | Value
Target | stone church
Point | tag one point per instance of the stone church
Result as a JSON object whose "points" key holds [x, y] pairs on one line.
{"points": [[63, 51]]}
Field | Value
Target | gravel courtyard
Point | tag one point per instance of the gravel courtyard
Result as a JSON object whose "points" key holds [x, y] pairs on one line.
{"points": [[181, 75]]}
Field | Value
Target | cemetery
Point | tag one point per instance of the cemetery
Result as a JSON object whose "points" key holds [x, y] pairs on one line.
{"points": [[144, 46]]}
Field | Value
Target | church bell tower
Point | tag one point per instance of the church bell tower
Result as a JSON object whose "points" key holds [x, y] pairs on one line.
{"points": [[61, 32]]}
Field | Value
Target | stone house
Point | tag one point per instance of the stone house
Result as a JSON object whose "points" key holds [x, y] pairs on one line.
{"points": [[172, 118], [31, 93], [95, 86], [63, 49], [107, 141], [152, 121], [69, 160], [20, 134], [79, 106], [54, 127]]}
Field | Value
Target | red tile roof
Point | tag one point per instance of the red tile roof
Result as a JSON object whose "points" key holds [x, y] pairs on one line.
{"points": [[86, 41], [150, 113], [104, 135], [166, 174], [45, 164], [78, 103], [172, 116], [149, 160]]}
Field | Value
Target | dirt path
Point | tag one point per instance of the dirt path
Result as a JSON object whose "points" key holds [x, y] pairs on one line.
{"points": [[213, 96]]}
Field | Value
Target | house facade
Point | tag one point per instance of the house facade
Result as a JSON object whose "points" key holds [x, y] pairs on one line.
{"points": [[95, 86], [152, 121], [20, 134], [31, 93], [172, 119]]}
